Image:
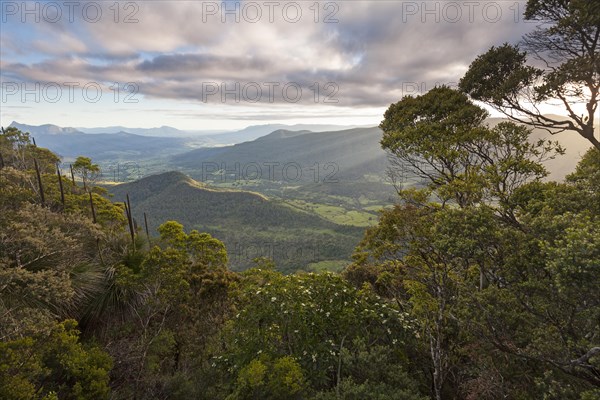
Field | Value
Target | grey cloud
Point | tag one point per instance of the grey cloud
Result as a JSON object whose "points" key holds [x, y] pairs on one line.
{"points": [[195, 63], [372, 54]]}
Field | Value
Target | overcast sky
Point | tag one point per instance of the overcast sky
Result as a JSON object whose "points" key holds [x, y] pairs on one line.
{"points": [[224, 65]]}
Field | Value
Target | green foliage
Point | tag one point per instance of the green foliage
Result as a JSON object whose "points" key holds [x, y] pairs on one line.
{"points": [[49, 267], [373, 374], [482, 285], [441, 137], [566, 43], [18, 152], [178, 300], [311, 318], [496, 267], [87, 171], [499, 76], [278, 379], [249, 224], [586, 179], [53, 365]]}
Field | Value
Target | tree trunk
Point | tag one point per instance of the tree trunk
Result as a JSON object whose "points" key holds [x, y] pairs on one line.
{"points": [[39, 179]]}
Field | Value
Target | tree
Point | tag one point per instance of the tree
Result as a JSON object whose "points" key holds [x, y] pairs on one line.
{"points": [[372, 373], [178, 300], [566, 44], [53, 365], [435, 256], [312, 319], [49, 268], [14, 145], [441, 138], [263, 378], [87, 171], [586, 177], [478, 257]]}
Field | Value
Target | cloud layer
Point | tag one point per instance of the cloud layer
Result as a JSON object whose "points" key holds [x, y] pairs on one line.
{"points": [[348, 54]]}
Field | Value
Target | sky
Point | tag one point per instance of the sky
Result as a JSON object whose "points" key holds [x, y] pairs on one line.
{"points": [[204, 65]]}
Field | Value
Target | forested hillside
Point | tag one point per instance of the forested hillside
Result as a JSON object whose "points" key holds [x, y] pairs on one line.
{"points": [[120, 146], [490, 290], [481, 282], [249, 224], [322, 156]]}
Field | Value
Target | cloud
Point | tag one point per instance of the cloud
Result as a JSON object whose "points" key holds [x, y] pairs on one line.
{"points": [[377, 52]]}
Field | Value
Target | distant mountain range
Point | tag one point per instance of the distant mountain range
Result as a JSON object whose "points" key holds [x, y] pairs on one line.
{"points": [[121, 143], [44, 130], [256, 131], [70, 143], [250, 224], [166, 131], [220, 136], [300, 156], [334, 151], [352, 154]]}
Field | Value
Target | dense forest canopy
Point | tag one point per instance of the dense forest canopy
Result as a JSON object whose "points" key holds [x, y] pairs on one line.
{"points": [[480, 284]]}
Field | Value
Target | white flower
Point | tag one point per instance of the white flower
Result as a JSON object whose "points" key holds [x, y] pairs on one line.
{"points": [[327, 314], [314, 358], [273, 299]]}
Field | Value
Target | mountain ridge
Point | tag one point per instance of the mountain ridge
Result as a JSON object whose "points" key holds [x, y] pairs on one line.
{"points": [[242, 219]]}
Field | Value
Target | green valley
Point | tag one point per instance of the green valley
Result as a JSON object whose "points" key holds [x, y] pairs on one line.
{"points": [[250, 224]]}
